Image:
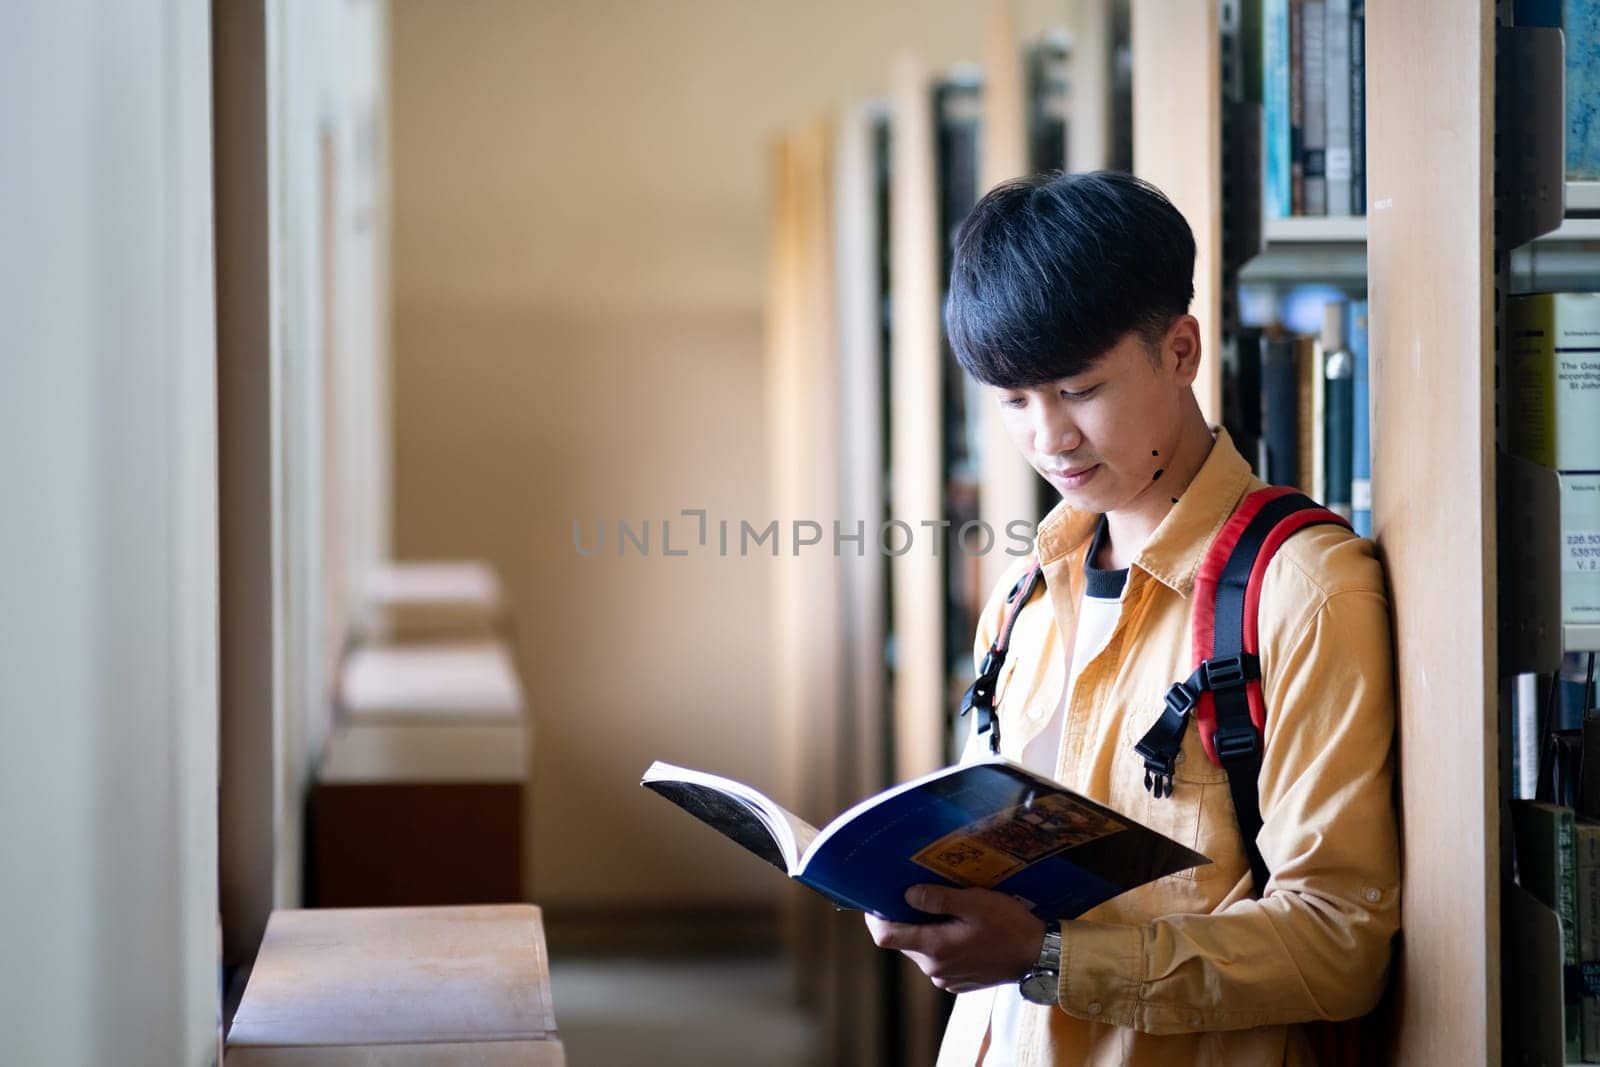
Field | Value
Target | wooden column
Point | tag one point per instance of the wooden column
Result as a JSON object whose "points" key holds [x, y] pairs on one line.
{"points": [[1008, 486], [1177, 144], [1430, 134], [916, 441]]}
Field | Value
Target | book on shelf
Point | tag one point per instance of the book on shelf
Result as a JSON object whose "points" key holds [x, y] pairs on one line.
{"points": [[1579, 493], [1587, 842], [991, 824], [1310, 392], [1314, 130], [1277, 193], [1358, 107], [1554, 356], [1279, 458], [1314, 420], [1314, 112], [1579, 22], [1547, 867], [1360, 420], [1337, 71], [1297, 107], [1241, 398], [1338, 375]]}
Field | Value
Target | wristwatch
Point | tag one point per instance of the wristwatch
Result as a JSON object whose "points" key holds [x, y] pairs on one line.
{"points": [[1042, 982]]}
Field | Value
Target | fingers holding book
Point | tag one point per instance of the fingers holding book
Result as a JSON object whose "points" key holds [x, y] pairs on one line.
{"points": [[987, 938]]}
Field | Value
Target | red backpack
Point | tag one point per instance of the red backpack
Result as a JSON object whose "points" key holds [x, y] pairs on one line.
{"points": [[1222, 695]]}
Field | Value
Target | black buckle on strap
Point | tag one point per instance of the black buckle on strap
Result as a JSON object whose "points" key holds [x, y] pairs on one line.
{"points": [[1228, 672], [1236, 744], [1162, 743]]}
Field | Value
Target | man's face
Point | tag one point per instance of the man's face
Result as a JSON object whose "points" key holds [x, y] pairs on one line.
{"points": [[1101, 437]]}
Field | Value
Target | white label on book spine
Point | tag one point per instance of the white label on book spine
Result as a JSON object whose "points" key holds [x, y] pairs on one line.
{"points": [[1338, 163], [1361, 494], [1580, 551]]}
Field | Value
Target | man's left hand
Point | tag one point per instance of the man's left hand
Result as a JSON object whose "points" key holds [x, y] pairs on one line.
{"points": [[988, 938]]}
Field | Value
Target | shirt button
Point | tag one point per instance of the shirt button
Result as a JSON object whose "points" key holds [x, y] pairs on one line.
{"points": [[1373, 895], [1034, 713], [1094, 1007], [1179, 758]]}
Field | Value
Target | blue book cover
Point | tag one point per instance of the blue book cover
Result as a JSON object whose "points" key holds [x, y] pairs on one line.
{"points": [[1360, 423], [1275, 104], [1581, 25], [991, 825]]}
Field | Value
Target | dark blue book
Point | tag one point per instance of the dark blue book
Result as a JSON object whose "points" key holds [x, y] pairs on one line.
{"points": [[1338, 414], [1279, 462], [991, 825], [1360, 421]]}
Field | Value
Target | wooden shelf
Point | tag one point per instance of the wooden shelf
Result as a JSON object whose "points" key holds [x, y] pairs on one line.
{"points": [[1338, 229], [1583, 198], [1580, 637]]}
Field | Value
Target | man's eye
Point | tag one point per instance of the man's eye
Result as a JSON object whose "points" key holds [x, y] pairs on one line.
{"points": [[1013, 401], [1085, 394]]}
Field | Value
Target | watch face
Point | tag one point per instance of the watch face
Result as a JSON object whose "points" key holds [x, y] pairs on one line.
{"points": [[1039, 987]]}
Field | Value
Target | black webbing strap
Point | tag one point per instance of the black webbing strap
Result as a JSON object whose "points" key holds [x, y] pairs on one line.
{"points": [[1236, 739], [980, 694]]}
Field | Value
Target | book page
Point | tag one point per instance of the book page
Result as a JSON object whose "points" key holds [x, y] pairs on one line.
{"points": [[746, 815]]}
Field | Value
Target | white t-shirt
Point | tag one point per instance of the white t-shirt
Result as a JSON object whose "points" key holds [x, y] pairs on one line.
{"points": [[1097, 618]]}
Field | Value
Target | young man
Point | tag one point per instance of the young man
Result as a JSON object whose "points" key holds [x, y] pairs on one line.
{"points": [[1069, 298]]}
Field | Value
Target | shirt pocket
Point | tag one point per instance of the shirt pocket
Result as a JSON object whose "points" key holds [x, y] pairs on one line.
{"points": [[1199, 812]]}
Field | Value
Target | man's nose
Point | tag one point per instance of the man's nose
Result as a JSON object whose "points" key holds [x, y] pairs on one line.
{"points": [[1056, 432]]}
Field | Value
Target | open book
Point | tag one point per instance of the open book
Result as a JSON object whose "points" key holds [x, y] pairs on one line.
{"points": [[991, 824]]}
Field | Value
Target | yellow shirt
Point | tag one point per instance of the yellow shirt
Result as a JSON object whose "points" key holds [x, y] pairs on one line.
{"points": [[1192, 969]]}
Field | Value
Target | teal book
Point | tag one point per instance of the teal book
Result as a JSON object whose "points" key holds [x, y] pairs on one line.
{"points": [[990, 825], [1547, 867], [1275, 104], [1360, 421], [1580, 22]]}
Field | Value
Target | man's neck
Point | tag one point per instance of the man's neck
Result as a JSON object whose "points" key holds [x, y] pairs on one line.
{"points": [[1128, 528]]}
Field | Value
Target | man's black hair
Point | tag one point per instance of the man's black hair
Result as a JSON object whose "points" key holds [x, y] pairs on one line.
{"points": [[1051, 271]]}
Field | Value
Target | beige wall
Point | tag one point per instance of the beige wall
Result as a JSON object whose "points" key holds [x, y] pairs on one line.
{"points": [[580, 229]]}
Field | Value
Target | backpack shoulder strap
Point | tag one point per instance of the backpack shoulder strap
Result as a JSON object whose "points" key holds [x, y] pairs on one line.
{"points": [[1230, 711], [980, 694]]}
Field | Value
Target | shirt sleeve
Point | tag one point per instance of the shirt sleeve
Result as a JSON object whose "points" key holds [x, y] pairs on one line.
{"points": [[1316, 945]]}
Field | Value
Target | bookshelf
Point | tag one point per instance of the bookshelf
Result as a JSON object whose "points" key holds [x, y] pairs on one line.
{"points": [[1426, 255]]}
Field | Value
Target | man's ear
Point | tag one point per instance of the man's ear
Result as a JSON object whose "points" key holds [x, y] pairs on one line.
{"points": [[1181, 348]]}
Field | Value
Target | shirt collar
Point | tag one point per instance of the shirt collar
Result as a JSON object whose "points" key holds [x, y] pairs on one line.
{"points": [[1173, 553]]}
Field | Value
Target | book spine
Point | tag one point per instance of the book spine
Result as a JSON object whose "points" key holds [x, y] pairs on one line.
{"points": [[1337, 156], [1547, 861], [1297, 107], [1358, 107], [1532, 354], [1280, 412], [1360, 424], [1314, 60], [1308, 388], [1588, 845], [1567, 912], [1275, 106], [1337, 452], [1581, 24]]}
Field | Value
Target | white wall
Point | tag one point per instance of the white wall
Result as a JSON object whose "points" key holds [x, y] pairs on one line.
{"points": [[327, 80], [108, 706]]}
